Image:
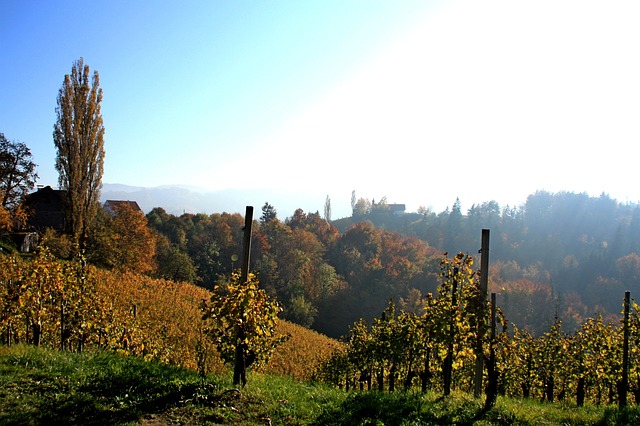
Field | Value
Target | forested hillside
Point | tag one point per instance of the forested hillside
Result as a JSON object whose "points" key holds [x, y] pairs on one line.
{"points": [[560, 254]]}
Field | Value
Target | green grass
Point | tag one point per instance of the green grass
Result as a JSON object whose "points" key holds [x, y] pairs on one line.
{"points": [[39, 386]]}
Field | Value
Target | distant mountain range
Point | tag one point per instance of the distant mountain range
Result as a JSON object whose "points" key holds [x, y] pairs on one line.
{"points": [[178, 199]]}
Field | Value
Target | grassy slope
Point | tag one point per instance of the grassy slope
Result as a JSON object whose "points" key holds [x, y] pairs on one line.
{"points": [[39, 386]]}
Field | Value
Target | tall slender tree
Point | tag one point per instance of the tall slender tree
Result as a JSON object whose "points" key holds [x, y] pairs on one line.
{"points": [[79, 138], [327, 209], [353, 200]]}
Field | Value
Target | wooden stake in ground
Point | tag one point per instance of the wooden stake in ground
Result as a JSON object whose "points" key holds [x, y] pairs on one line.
{"points": [[624, 383], [492, 372], [484, 285], [447, 369], [239, 369]]}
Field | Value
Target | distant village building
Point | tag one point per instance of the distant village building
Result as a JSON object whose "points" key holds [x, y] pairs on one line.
{"points": [[46, 210], [112, 206], [383, 207], [397, 209]]}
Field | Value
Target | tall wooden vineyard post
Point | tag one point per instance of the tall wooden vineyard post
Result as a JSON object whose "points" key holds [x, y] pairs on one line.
{"points": [[624, 383], [484, 286], [492, 373], [447, 369], [239, 369]]}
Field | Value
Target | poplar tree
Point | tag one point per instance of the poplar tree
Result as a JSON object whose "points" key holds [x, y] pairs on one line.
{"points": [[79, 139], [327, 209]]}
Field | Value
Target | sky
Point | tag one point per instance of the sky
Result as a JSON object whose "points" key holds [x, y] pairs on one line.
{"points": [[421, 102]]}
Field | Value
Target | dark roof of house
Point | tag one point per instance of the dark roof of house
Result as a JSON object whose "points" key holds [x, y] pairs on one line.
{"points": [[46, 208], [46, 198]]}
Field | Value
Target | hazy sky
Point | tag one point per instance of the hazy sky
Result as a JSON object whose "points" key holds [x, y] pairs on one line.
{"points": [[419, 101]]}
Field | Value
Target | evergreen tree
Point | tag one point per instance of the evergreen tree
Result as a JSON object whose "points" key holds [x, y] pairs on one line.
{"points": [[268, 213]]}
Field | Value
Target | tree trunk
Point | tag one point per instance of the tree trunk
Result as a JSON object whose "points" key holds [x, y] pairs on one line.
{"points": [[526, 392], [425, 375], [492, 372], [580, 392], [549, 389], [392, 378], [63, 333], [447, 369], [446, 372], [492, 383], [408, 382], [8, 335], [37, 333], [636, 391]]}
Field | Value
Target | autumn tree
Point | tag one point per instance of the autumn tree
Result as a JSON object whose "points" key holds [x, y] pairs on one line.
{"points": [[209, 243], [173, 264], [5, 220], [123, 242], [292, 264], [79, 139], [17, 172], [361, 208]]}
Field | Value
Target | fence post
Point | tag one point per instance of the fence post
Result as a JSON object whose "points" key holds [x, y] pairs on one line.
{"points": [[484, 286], [447, 372], [492, 373], [624, 383], [239, 369], [63, 340]]}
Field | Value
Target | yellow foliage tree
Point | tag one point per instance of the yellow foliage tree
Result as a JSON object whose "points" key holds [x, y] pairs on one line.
{"points": [[242, 320], [5, 220], [123, 242]]}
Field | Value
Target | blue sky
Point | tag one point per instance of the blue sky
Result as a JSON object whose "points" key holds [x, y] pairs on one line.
{"points": [[418, 101]]}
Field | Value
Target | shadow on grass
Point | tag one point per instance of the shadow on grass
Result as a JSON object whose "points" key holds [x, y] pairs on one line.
{"points": [[103, 389], [617, 416], [399, 408]]}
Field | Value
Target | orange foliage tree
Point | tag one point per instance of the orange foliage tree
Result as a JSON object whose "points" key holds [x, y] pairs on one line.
{"points": [[123, 242]]}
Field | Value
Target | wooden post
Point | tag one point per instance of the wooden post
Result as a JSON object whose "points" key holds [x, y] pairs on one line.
{"points": [[63, 338], [239, 370], [484, 286], [246, 247], [492, 373], [624, 383], [448, 362]]}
